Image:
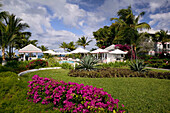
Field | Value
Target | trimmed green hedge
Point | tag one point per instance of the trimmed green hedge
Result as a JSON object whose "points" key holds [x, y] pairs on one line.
{"points": [[117, 72]]}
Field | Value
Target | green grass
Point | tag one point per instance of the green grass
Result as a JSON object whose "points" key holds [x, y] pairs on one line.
{"points": [[139, 95]]}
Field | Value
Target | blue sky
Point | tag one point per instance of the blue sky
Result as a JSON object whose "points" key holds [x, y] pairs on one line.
{"points": [[55, 21]]}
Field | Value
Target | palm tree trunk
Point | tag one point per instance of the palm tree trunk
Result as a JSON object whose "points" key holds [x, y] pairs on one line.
{"points": [[131, 51], [3, 53], [9, 51]]}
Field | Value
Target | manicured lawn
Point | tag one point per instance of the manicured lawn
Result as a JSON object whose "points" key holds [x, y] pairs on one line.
{"points": [[139, 95]]}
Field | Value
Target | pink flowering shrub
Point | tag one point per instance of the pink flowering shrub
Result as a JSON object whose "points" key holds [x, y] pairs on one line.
{"points": [[37, 64], [71, 97]]}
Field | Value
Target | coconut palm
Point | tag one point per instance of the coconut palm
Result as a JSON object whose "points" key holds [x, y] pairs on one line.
{"points": [[71, 46], [10, 27], [63, 45], [128, 26], [83, 42], [43, 48]]}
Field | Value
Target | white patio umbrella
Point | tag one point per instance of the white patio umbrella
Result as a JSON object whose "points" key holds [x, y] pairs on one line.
{"points": [[61, 53], [97, 51], [49, 52], [117, 51], [80, 50]]}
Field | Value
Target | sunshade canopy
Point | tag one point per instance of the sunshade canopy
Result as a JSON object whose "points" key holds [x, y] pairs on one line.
{"points": [[80, 50], [117, 51], [61, 53], [100, 51], [30, 49], [49, 52]]}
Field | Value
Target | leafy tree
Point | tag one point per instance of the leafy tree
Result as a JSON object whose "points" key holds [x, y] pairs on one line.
{"points": [[105, 36], [145, 44], [83, 42]]}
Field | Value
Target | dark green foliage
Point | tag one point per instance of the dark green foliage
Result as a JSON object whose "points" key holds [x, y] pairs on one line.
{"points": [[137, 66], [14, 66], [66, 66], [117, 72], [87, 63], [8, 74], [158, 63]]}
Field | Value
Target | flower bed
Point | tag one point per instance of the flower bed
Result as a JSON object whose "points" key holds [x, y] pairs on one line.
{"points": [[71, 97]]}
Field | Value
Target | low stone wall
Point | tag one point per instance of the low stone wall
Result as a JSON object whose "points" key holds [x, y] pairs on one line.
{"points": [[32, 70]]}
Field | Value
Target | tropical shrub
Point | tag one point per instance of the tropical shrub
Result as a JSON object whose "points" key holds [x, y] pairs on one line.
{"points": [[87, 63], [117, 72], [14, 66], [137, 66], [66, 66], [158, 63], [35, 64], [71, 97], [114, 64], [52, 62], [8, 74]]}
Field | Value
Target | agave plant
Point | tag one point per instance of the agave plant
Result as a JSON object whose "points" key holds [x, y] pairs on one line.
{"points": [[138, 66], [87, 63]]}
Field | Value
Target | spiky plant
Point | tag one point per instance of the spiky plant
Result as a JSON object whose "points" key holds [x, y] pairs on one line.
{"points": [[87, 63], [138, 66]]}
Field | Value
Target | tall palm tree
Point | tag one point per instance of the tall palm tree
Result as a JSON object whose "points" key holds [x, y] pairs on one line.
{"points": [[160, 36], [128, 26], [10, 27], [71, 46], [83, 42], [43, 48], [63, 45], [4, 40]]}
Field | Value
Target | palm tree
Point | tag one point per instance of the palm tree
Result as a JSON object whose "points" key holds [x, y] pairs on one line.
{"points": [[4, 40], [83, 42], [63, 45], [22, 40], [160, 36], [43, 48], [128, 26], [10, 28], [71, 46]]}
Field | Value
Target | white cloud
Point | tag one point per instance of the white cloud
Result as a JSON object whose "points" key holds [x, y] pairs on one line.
{"points": [[154, 6], [161, 20]]}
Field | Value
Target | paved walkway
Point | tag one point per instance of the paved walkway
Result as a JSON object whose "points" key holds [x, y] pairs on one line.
{"points": [[32, 70], [158, 68]]}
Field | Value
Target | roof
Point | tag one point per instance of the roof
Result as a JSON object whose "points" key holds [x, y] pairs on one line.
{"points": [[118, 51], [30, 49], [100, 51], [112, 47]]}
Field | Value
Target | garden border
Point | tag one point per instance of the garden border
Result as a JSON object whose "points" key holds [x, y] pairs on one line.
{"points": [[32, 70]]}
